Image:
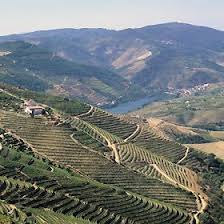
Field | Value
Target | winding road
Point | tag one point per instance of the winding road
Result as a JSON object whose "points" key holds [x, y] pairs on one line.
{"points": [[133, 134], [201, 202], [185, 155], [88, 112]]}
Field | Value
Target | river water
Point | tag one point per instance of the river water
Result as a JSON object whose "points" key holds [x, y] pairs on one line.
{"points": [[132, 105]]}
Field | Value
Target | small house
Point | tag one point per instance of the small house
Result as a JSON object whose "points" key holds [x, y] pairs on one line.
{"points": [[32, 108], [35, 110]]}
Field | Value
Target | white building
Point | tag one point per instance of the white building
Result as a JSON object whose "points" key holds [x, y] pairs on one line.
{"points": [[32, 108]]}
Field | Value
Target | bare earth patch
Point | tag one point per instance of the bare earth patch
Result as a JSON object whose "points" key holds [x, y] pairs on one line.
{"points": [[216, 148], [217, 134], [167, 130]]}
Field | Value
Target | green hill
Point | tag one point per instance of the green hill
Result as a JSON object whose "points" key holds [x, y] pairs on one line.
{"points": [[205, 111], [29, 66], [80, 164]]}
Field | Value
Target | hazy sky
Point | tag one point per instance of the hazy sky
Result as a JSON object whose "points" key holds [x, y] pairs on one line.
{"points": [[28, 15]]}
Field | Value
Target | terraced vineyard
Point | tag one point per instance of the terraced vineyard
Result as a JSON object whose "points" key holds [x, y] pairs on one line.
{"points": [[84, 165], [110, 123], [170, 150], [130, 153], [142, 137], [45, 139], [80, 198]]}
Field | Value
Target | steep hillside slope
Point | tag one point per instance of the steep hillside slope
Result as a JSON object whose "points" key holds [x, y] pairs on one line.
{"points": [[180, 133], [215, 148], [99, 167], [164, 56], [197, 111], [29, 66]]}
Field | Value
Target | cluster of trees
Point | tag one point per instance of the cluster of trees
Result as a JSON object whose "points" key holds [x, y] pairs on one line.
{"points": [[190, 139]]}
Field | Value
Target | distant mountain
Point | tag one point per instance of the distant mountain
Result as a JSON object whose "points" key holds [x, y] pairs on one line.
{"points": [[158, 57], [30, 66]]}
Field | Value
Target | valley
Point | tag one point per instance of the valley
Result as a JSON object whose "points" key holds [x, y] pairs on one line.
{"points": [[202, 111], [112, 126], [109, 67]]}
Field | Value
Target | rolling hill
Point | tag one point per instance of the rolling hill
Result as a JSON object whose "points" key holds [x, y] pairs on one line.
{"points": [[80, 164], [205, 111], [158, 58], [196, 120], [33, 67]]}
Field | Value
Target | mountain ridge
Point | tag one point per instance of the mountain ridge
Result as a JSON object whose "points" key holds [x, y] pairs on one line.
{"points": [[33, 67], [176, 55]]}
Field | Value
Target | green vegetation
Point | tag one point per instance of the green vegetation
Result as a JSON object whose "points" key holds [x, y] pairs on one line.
{"points": [[191, 139], [211, 170], [167, 55], [64, 105], [35, 68], [79, 197], [100, 168], [10, 103], [198, 111], [43, 216], [110, 123]]}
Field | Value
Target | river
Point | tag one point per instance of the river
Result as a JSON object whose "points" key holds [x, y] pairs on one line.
{"points": [[130, 106]]}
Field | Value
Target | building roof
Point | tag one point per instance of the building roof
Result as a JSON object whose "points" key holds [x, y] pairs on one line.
{"points": [[35, 108]]}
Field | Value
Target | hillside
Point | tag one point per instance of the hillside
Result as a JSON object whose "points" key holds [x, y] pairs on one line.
{"points": [[158, 57], [180, 133], [26, 65], [200, 139], [80, 164], [215, 148], [196, 121], [204, 111]]}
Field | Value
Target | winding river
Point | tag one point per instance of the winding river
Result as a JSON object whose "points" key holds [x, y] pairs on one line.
{"points": [[130, 106]]}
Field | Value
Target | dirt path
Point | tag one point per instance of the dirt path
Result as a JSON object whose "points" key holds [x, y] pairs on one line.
{"points": [[133, 134], [185, 155], [88, 112], [204, 205], [114, 148], [201, 201], [201, 198]]}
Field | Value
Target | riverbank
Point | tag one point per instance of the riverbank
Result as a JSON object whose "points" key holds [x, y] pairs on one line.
{"points": [[131, 106]]}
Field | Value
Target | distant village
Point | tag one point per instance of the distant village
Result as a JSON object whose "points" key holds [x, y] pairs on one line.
{"points": [[190, 91]]}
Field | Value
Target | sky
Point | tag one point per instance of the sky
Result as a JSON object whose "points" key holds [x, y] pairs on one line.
{"points": [[20, 16]]}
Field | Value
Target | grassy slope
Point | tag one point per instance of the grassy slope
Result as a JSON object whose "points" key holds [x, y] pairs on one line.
{"points": [[20, 157], [216, 148], [17, 157], [56, 218], [190, 111], [31, 172], [180, 133], [203, 140], [72, 107]]}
